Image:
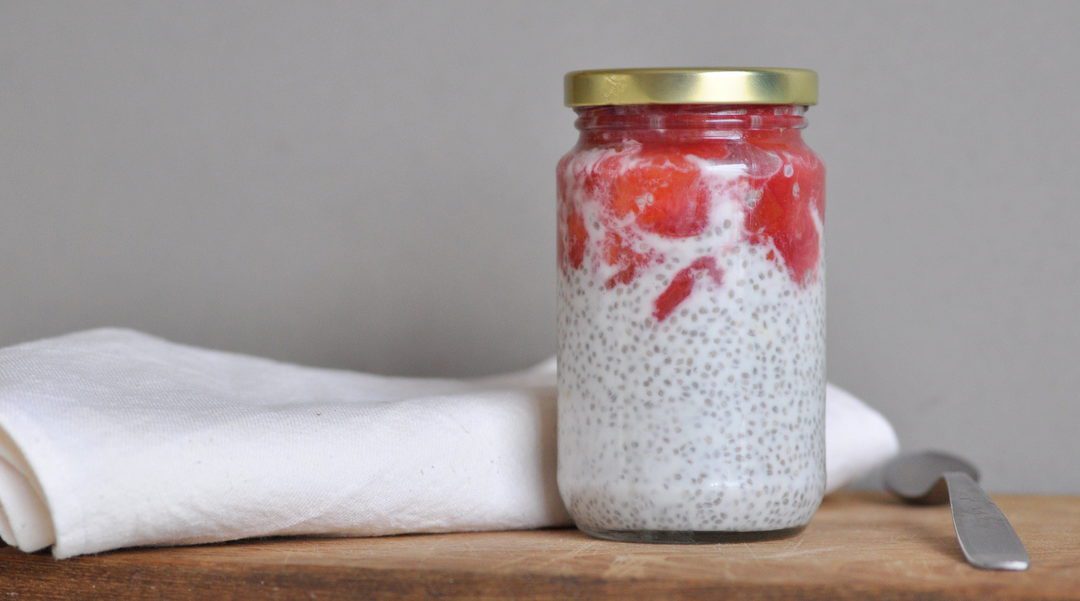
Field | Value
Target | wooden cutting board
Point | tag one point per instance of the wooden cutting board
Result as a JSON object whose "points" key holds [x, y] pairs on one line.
{"points": [[859, 546]]}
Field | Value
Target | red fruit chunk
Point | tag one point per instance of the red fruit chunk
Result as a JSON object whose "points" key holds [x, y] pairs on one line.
{"points": [[665, 194], [576, 237], [786, 221], [683, 284], [600, 174], [618, 252], [572, 235], [786, 211]]}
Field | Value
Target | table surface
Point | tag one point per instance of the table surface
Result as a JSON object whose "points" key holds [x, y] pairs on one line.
{"points": [[859, 546]]}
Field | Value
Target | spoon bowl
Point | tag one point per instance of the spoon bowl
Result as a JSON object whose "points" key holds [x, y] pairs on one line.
{"points": [[917, 477]]}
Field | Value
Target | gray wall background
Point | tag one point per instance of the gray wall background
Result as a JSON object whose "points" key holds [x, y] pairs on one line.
{"points": [[370, 186]]}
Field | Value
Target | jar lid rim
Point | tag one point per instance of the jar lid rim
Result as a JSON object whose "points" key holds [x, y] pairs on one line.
{"points": [[691, 85]]}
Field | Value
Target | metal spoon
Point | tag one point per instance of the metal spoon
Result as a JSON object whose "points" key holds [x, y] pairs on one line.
{"points": [[933, 478]]}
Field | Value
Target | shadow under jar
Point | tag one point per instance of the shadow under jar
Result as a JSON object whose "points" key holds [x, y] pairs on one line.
{"points": [[691, 306]]}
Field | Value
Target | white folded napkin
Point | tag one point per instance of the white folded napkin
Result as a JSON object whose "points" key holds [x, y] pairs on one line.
{"points": [[112, 438]]}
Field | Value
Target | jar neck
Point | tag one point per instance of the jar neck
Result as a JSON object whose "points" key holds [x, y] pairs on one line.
{"points": [[687, 122]]}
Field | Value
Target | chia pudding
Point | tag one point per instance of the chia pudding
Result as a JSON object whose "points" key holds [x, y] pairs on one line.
{"points": [[691, 334]]}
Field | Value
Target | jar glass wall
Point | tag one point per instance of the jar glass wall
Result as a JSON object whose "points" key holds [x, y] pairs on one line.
{"points": [[691, 334]]}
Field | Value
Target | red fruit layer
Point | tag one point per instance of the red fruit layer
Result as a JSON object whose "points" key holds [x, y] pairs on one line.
{"points": [[649, 181]]}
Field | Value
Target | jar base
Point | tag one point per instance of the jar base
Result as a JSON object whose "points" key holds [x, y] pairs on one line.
{"points": [[691, 537]]}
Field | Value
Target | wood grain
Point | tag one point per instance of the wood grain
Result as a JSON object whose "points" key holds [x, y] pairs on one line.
{"points": [[859, 546]]}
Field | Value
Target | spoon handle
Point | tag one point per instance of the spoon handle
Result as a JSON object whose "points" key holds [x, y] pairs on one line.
{"points": [[986, 537]]}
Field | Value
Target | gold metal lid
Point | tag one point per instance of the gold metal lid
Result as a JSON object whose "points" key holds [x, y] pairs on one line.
{"points": [[709, 85]]}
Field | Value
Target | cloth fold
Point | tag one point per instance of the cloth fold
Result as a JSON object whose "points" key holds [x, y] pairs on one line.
{"points": [[112, 438]]}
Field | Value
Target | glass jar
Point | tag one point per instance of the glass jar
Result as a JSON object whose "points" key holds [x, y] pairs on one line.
{"points": [[691, 305]]}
